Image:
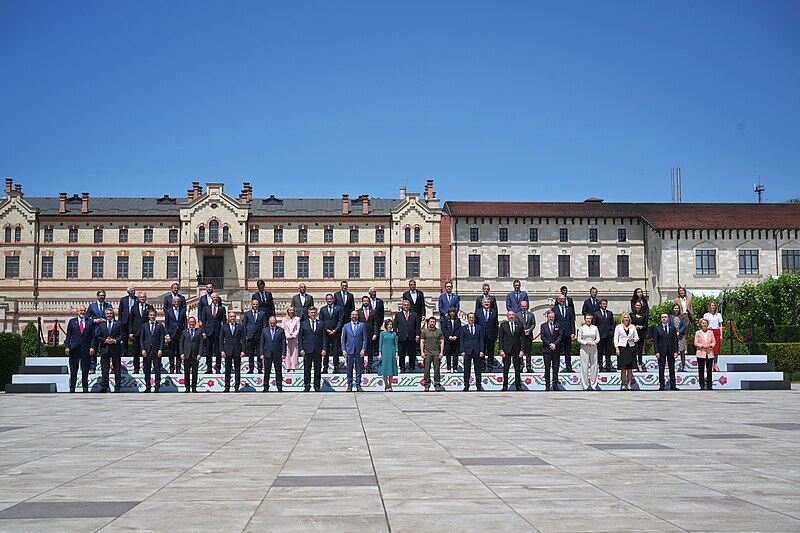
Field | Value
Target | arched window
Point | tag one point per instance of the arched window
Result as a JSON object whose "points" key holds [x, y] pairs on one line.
{"points": [[226, 234], [201, 234], [408, 234], [416, 234], [213, 231], [8, 233]]}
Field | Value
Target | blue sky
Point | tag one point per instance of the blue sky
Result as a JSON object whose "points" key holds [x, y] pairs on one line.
{"points": [[493, 100]]}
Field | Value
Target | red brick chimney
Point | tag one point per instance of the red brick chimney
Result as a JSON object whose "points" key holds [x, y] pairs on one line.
{"points": [[345, 204], [62, 202], [85, 202], [429, 194], [247, 193], [9, 184], [365, 204]]}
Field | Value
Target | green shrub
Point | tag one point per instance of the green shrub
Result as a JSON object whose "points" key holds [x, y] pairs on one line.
{"points": [[50, 350], [10, 357], [30, 340], [785, 355], [782, 333]]}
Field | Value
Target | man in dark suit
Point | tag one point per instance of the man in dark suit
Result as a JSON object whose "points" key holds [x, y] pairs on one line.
{"points": [[451, 327], [272, 351], [485, 296], [175, 293], [311, 342], [604, 320], [213, 318], [372, 329], [151, 341], [470, 339], [331, 316], [486, 318], [377, 306], [138, 316], [346, 301], [565, 293], [510, 338], [265, 300], [665, 343], [124, 310], [516, 297], [447, 300], [354, 347], [191, 342], [592, 304], [206, 300], [96, 313], [406, 324], [175, 323], [527, 322], [416, 300], [78, 347], [231, 348], [110, 337], [302, 302], [550, 333], [253, 321], [565, 318]]}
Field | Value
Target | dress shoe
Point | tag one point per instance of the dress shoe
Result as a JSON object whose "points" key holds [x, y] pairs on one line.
{"points": [[236, 389], [349, 389], [547, 388], [280, 389], [505, 388], [117, 390], [307, 389], [147, 389], [266, 389], [465, 389], [194, 389], [674, 388], [72, 389], [227, 389], [661, 387], [187, 390], [437, 388], [359, 389], [427, 388], [158, 389], [569, 369], [479, 388]]}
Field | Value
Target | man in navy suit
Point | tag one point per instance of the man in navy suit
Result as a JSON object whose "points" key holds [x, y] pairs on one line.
{"points": [[516, 297], [603, 319], [331, 316], [376, 304], [151, 341], [345, 300], [372, 327], [124, 309], [565, 318], [406, 324], [550, 334], [207, 299], [78, 346], [311, 342], [272, 351], [417, 300], [138, 316], [486, 318], [592, 304], [110, 336], [191, 342], [231, 348], [354, 346], [470, 339], [510, 338], [265, 300], [213, 318], [665, 343], [447, 300], [96, 313], [175, 293], [175, 323], [253, 321], [565, 293]]}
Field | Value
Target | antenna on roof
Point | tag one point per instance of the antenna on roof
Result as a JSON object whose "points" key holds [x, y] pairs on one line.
{"points": [[759, 189], [675, 178]]}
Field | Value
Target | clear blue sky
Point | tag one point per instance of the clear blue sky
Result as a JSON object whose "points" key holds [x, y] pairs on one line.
{"points": [[493, 100]]}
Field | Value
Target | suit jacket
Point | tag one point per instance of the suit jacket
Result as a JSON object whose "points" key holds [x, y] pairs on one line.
{"points": [[191, 347], [354, 341], [479, 303], [77, 342], [151, 342], [265, 302], [231, 343], [253, 325], [470, 343], [168, 300], [512, 303], [451, 330], [204, 302], [570, 303], [445, 304], [347, 304], [124, 309], [689, 307], [94, 310], [137, 318], [301, 309], [589, 307], [418, 306], [548, 338], [271, 348], [566, 320], [379, 308], [604, 325], [665, 342], [174, 325], [311, 341], [406, 329], [212, 324], [510, 343], [528, 324], [645, 308], [331, 318], [489, 326], [372, 326], [117, 333]]}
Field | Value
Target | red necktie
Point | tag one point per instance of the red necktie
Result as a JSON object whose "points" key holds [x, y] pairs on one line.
{"points": [[366, 313], [80, 323], [551, 329], [214, 310]]}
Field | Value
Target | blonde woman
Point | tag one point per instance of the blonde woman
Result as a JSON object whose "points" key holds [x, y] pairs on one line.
{"points": [[291, 327], [588, 337], [685, 303], [625, 339], [714, 318], [705, 341]]}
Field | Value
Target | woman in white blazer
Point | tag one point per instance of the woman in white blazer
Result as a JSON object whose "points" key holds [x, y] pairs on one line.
{"points": [[625, 339], [588, 337]]}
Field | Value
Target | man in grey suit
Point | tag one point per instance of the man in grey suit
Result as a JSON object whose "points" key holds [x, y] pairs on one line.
{"points": [[302, 302], [151, 342], [253, 322], [191, 340], [527, 322], [485, 296], [231, 348], [272, 351]]}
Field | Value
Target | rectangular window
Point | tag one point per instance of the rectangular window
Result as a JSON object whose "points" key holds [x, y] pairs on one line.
{"points": [[253, 234], [122, 267], [328, 267], [353, 235], [277, 266], [328, 235], [592, 234], [748, 262], [474, 266], [173, 235], [123, 235], [12, 266], [354, 267], [148, 267], [563, 266], [503, 234], [534, 266], [47, 266], [172, 267], [72, 267], [412, 267], [380, 266], [503, 266], [533, 234], [790, 261], [622, 235], [474, 234], [623, 266], [277, 235], [705, 262], [379, 235], [594, 266], [563, 234], [148, 234], [253, 266], [302, 235], [98, 262], [48, 234], [98, 235], [73, 234], [302, 266]]}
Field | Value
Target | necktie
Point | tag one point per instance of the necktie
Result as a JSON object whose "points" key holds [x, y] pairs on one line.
{"points": [[272, 333], [512, 327], [604, 314], [551, 328], [366, 313], [80, 324], [594, 302], [486, 315], [233, 326], [313, 326], [255, 315], [109, 326], [141, 309], [471, 329], [191, 334], [214, 310], [354, 327], [665, 328], [517, 297], [176, 313], [406, 316], [562, 311], [152, 327], [524, 317]]}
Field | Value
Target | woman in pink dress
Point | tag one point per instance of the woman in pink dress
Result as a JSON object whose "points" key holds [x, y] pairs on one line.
{"points": [[705, 341], [291, 326]]}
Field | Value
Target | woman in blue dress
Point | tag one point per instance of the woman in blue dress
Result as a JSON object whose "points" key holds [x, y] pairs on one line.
{"points": [[387, 354]]}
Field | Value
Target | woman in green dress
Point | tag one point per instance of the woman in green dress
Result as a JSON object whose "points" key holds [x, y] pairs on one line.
{"points": [[387, 354]]}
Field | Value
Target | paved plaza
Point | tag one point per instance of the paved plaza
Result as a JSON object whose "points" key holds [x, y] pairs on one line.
{"points": [[567, 461]]}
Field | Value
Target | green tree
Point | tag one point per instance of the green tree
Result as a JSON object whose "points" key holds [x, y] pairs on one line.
{"points": [[30, 340]]}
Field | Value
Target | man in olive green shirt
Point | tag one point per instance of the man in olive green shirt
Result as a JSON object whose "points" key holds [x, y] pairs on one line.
{"points": [[431, 342]]}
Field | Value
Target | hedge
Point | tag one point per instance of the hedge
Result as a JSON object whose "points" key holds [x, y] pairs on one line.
{"points": [[785, 355], [10, 357]]}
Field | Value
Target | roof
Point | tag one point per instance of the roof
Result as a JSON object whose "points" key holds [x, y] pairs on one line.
{"points": [[107, 206], [311, 207], [660, 216]]}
